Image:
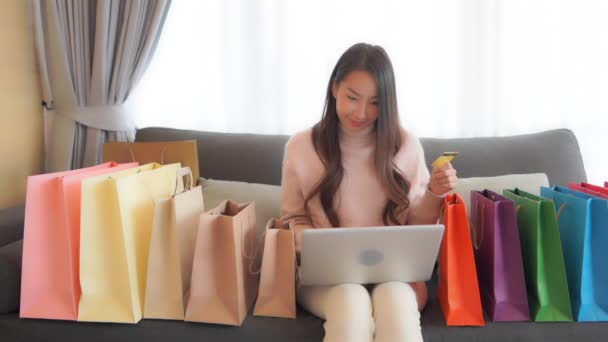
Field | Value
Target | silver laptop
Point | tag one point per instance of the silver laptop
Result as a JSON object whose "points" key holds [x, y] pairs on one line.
{"points": [[369, 255]]}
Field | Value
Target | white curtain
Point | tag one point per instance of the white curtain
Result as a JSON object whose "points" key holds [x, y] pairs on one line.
{"points": [[464, 67]]}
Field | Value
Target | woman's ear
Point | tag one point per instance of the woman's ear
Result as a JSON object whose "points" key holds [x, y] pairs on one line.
{"points": [[334, 89]]}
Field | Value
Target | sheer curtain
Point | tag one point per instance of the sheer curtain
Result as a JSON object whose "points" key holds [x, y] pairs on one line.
{"points": [[91, 55], [464, 67]]}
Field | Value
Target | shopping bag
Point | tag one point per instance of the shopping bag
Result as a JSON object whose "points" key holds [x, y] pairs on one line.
{"points": [[277, 290], [498, 259], [458, 287], [541, 248], [163, 152], [172, 250], [590, 189], [583, 227], [50, 286], [224, 275], [116, 222]]}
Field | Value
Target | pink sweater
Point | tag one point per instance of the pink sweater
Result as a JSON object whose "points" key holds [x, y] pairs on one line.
{"points": [[360, 198]]}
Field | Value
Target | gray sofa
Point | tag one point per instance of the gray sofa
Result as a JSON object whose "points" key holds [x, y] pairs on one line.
{"points": [[257, 158]]}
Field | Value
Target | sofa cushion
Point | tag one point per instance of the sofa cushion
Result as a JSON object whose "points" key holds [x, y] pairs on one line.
{"points": [[10, 276], [254, 329]]}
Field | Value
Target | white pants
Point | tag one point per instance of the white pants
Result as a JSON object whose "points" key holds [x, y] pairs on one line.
{"points": [[351, 314]]}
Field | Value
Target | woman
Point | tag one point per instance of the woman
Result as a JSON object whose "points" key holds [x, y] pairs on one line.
{"points": [[358, 167]]}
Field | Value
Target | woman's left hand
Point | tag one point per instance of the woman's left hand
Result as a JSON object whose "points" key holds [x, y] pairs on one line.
{"points": [[443, 179]]}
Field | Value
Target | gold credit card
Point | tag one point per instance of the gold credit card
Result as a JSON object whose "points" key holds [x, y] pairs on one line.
{"points": [[445, 158]]}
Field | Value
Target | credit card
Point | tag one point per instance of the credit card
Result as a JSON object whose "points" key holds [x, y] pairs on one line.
{"points": [[445, 158]]}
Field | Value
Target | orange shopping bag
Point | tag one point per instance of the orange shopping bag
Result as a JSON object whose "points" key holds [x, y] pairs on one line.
{"points": [[50, 286], [458, 288]]}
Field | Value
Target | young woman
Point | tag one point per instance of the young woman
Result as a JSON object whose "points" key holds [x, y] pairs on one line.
{"points": [[358, 167]]}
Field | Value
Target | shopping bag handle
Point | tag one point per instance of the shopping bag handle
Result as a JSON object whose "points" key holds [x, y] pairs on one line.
{"points": [[475, 228], [179, 175], [558, 213], [444, 208], [561, 210], [280, 224], [162, 155], [255, 250], [258, 269]]}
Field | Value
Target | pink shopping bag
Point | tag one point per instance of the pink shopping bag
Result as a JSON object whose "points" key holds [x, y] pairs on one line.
{"points": [[50, 286]]}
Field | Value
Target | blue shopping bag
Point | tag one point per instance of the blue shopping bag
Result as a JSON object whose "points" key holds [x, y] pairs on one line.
{"points": [[583, 226]]}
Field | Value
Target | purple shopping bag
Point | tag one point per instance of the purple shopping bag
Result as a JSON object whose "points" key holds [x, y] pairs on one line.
{"points": [[498, 257]]}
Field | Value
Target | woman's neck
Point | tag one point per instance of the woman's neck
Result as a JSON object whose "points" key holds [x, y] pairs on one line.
{"points": [[364, 137]]}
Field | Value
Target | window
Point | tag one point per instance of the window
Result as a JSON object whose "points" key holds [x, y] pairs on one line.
{"points": [[463, 67]]}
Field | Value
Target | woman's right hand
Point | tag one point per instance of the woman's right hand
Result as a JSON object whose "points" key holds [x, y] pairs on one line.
{"points": [[443, 179]]}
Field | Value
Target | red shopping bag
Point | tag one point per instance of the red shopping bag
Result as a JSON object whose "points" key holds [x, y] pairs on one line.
{"points": [[458, 287]]}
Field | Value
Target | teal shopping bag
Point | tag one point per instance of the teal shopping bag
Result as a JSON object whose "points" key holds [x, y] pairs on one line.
{"points": [[583, 225]]}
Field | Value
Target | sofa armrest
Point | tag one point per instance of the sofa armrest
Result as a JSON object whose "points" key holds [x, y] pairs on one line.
{"points": [[11, 224], [10, 276]]}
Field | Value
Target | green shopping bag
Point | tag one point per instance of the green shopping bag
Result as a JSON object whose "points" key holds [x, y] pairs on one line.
{"points": [[544, 266]]}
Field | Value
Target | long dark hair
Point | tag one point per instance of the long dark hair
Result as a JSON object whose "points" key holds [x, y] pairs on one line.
{"points": [[325, 137]]}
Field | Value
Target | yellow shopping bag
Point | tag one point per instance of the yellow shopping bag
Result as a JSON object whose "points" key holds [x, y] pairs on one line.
{"points": [[116, 220]]}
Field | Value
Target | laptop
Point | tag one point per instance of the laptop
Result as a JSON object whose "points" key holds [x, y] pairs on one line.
{"points": [[369, 255]]}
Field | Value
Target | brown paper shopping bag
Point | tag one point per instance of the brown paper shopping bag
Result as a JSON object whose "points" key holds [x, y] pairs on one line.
{"points": [[224, 280], [163, 152], [172, 250], [277, 293]]}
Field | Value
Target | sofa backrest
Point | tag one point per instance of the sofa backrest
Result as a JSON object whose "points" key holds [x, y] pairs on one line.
{"points": [[257, 158], [554, 152]]}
